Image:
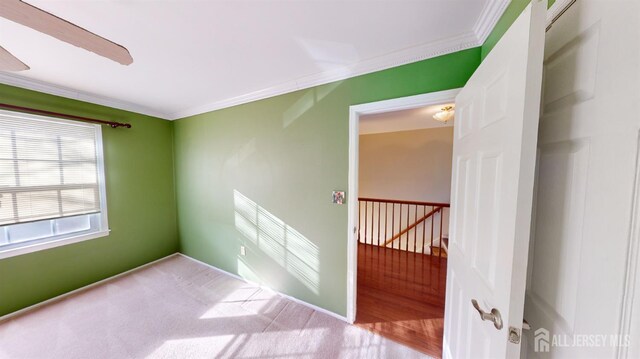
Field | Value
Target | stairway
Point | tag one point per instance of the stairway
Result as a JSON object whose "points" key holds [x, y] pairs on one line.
{"points": [[409, 226], [436, 250]]}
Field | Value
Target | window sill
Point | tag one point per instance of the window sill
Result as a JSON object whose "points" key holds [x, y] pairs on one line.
{"points": [[42, 245]]}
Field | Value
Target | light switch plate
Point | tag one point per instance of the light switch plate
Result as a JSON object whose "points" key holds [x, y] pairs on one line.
{"points": [[243, 251]]}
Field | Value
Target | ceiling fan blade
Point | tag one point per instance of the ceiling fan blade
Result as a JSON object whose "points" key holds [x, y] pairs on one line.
{"points": [[40, 20], [8, 62]]}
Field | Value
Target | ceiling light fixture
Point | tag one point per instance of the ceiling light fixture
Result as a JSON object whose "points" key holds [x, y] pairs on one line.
{"points": [[445, 114]]}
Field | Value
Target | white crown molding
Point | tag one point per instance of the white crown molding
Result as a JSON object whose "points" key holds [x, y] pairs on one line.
{"points": [[489, 17], [403, 57], [487, 20], [41, 86]]}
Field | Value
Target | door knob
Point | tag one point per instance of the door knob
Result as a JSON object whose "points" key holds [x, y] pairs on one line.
{"points": [[494, 316]]}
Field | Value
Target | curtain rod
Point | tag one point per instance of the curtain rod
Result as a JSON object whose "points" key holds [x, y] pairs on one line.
{"points": [[62, 115]]}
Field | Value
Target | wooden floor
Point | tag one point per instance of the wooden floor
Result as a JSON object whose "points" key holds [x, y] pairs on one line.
{"points": [[401, 296]]}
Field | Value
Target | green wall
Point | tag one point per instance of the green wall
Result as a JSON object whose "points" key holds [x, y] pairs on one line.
{"points": [[258, 174], [261, 175], [141, 208]]}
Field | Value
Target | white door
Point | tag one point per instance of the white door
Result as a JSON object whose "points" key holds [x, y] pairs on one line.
{"points": [[494, 157], [579, 287]]}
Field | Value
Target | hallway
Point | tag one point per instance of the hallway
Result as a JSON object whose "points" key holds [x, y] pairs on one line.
{"points": [[401, 296]]}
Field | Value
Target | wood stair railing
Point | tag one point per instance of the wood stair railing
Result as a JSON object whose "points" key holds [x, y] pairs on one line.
{"points": [[396, 224], [413, 225]]}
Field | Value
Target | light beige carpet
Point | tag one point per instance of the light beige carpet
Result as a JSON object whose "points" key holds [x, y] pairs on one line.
{"points": [[178, 308]]}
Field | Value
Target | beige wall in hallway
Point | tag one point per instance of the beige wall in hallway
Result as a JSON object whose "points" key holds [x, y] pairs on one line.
{"points": [[407, 165]]}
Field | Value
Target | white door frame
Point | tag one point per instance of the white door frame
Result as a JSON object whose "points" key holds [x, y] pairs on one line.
{"points": [[355, 111]]}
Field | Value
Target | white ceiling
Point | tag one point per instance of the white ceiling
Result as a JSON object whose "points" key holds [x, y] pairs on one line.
{"points": [[403, 120], [193, 56]]}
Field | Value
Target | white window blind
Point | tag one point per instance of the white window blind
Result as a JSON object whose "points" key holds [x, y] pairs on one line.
{"points": [[48, 168]]}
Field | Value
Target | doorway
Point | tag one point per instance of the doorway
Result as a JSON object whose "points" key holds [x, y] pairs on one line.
{"points": [[397, 247]]}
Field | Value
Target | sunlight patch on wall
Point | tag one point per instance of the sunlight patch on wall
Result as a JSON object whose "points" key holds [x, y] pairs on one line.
{"points": [[246, 216], [282, 243], [242, 153], [296, 110], [306, 102]]}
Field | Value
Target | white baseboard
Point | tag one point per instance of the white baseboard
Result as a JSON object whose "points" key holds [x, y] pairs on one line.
{"points": [[81, 289], [299, 301], [103, 281]]}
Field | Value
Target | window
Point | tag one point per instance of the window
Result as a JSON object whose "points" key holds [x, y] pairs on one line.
{"points": [[52, 189]]}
